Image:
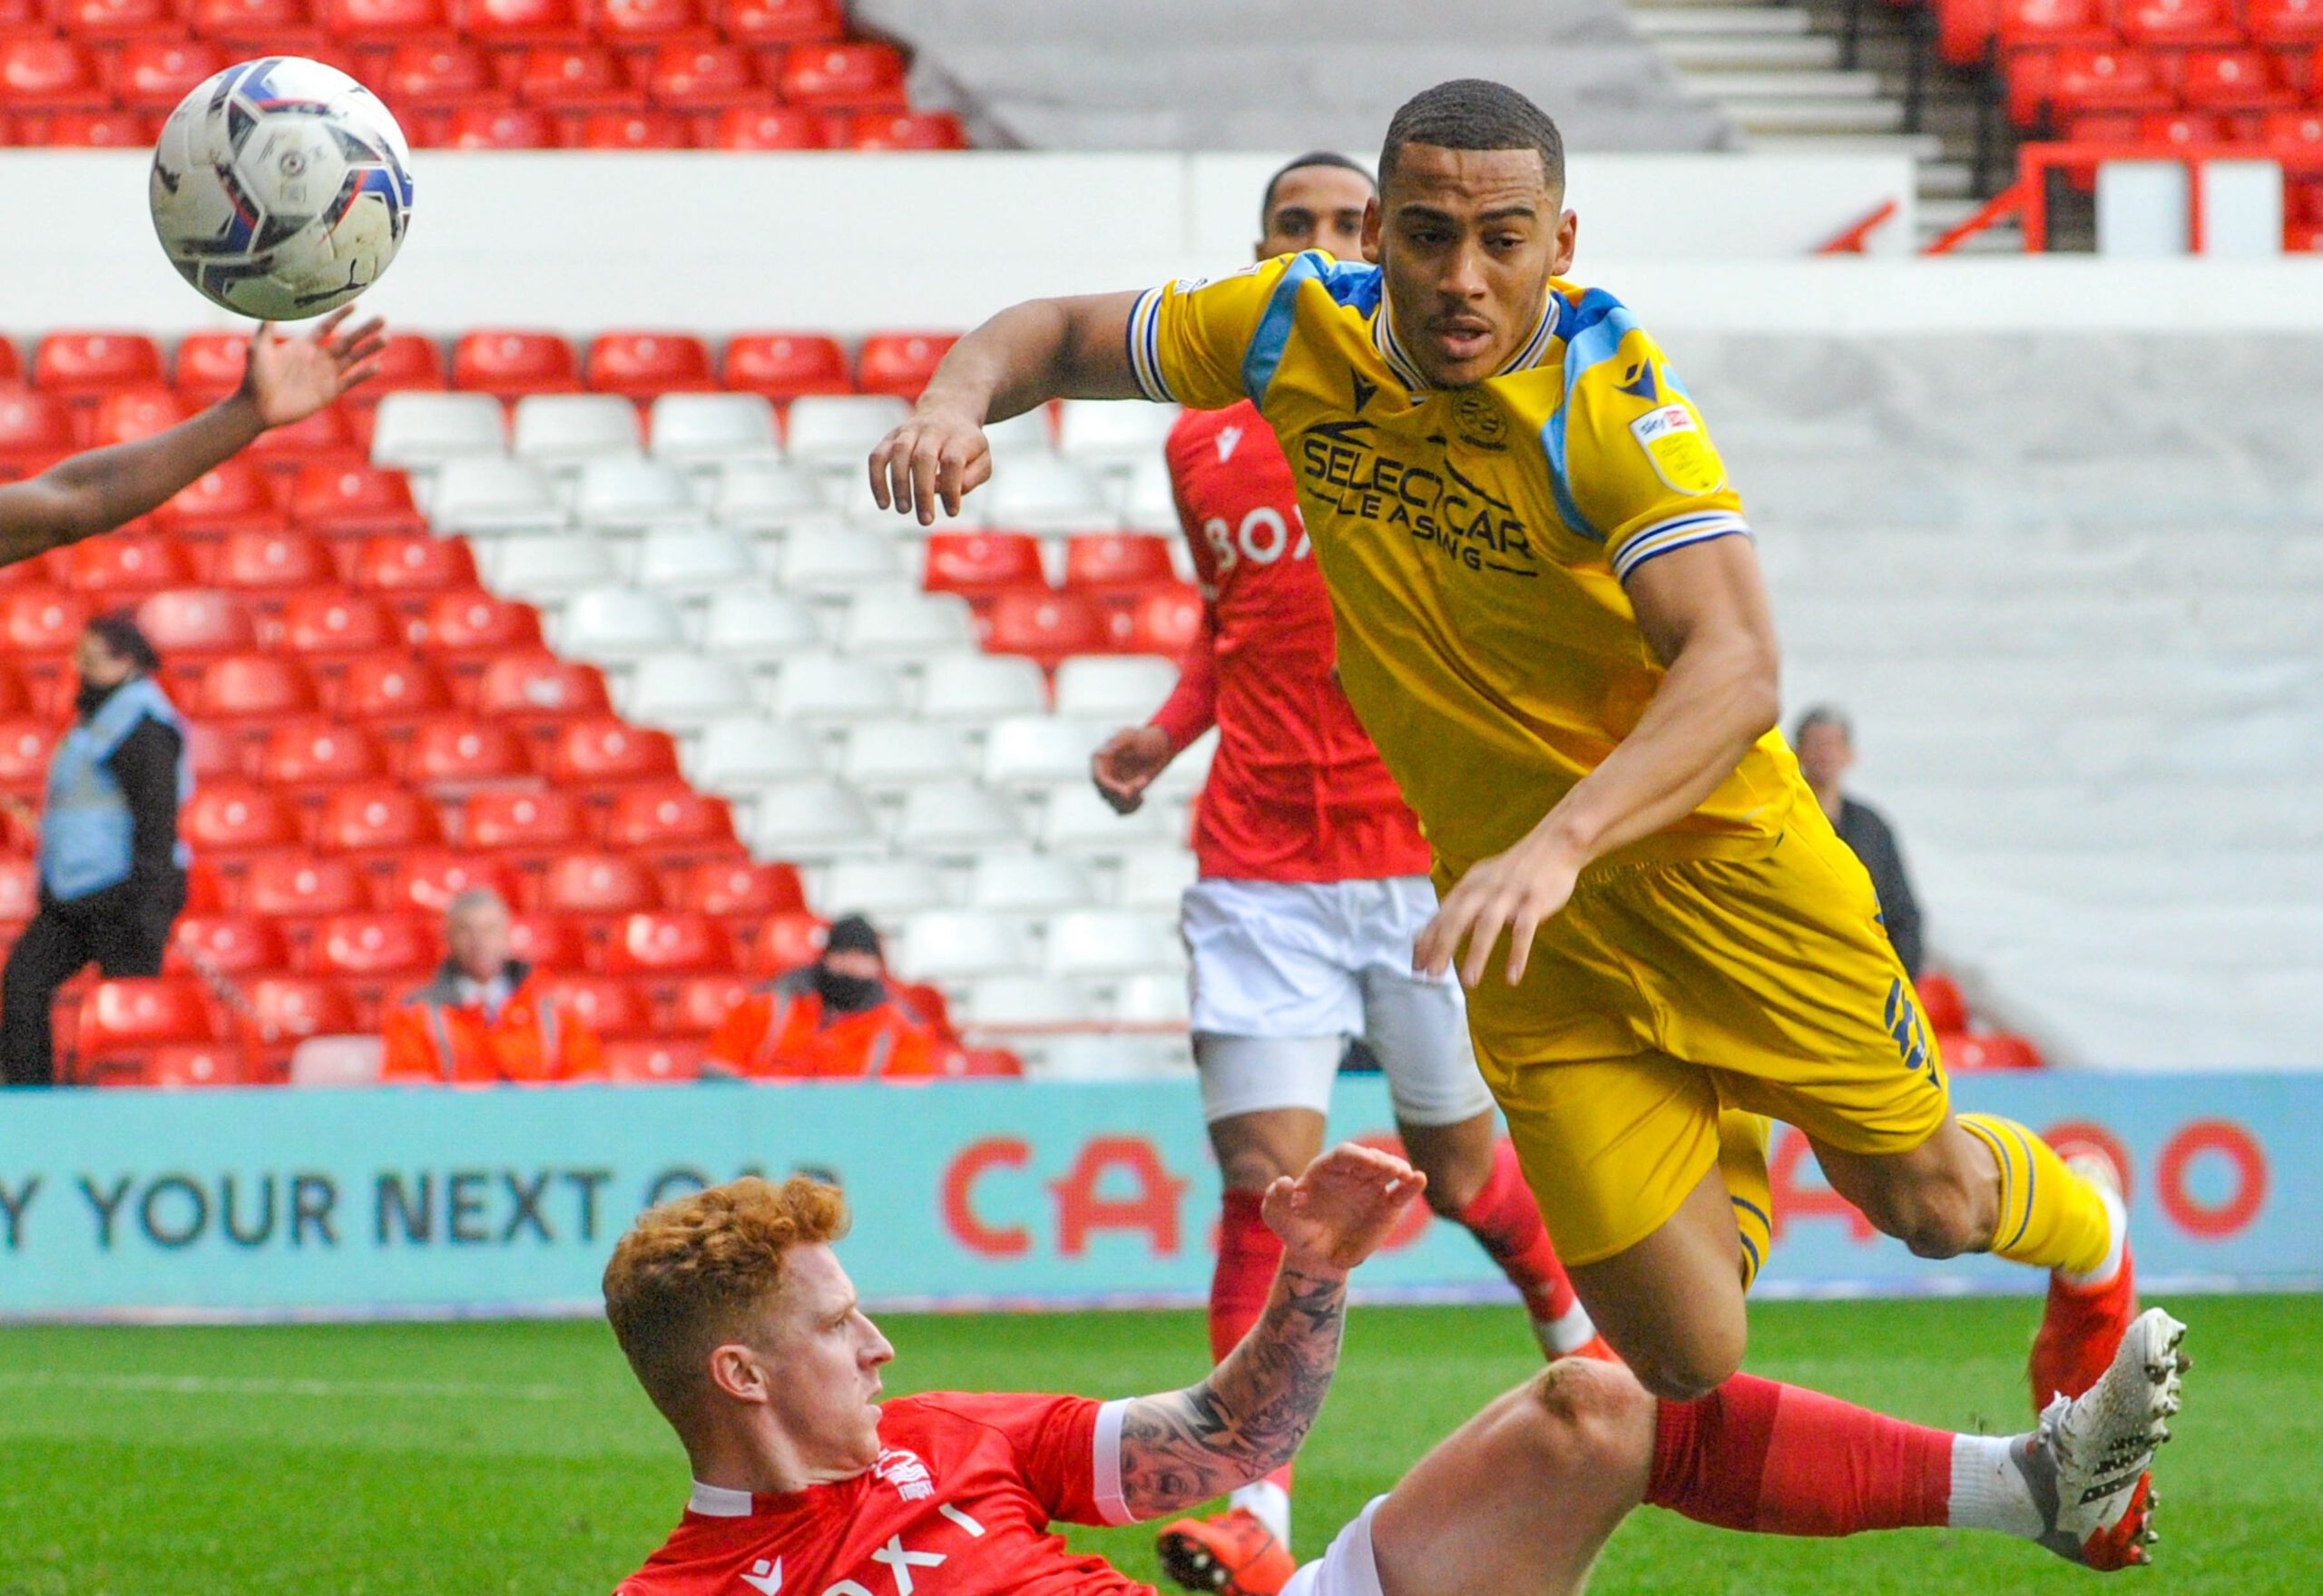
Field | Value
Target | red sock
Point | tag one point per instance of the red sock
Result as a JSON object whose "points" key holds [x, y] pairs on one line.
{"points": [[1248, 1255], [1755, 1454], [1504, 1216]]}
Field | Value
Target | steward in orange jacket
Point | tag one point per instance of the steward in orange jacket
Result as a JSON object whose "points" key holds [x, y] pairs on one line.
{"points": [[500, 1027], [833, 1019]]}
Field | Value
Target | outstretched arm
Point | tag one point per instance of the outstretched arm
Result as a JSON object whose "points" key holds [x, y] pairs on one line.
{"points": [[285, 381], [1043, 349], [1257, 1405]]}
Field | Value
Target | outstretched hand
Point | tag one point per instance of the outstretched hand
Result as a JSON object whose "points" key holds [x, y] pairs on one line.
{"points": [[1343, 1207], [291, 378], [1126, 764], [937, 457]]}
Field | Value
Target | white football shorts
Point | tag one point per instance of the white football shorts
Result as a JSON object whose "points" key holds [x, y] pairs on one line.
{"points": [[1282, 974], [1347, 1568]]}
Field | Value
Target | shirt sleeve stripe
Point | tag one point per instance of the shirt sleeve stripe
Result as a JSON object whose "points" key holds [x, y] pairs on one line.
{"points": [[1677, 534], [1145, 346], [1107, 1491]]}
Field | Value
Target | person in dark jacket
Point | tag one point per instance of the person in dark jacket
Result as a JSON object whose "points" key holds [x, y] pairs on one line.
{"points": [[112, 868], [1825, 742]]}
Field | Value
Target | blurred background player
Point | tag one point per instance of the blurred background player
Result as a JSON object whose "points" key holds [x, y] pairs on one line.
{"points": [[746, 1332], [1552, 620], [1314, 882], [1823, 740], [487, 1019], [112, 868], [837, 1018]]}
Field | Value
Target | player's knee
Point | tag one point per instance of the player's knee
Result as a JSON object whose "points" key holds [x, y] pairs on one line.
{"points": [[1582, 1416], [1680, 1369]]}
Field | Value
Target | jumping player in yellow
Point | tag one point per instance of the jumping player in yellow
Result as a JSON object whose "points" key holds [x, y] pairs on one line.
{"points": [[1551, 619]]}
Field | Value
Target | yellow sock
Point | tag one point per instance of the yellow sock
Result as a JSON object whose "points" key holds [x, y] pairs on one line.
{"points": [[1742, 1160], [2049, 1216]]}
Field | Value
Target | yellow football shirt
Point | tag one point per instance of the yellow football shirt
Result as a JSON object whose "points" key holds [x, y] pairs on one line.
{"points": [[1475, 540]]}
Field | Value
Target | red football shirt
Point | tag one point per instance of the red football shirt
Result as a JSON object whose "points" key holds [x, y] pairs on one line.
{"points": [[958, 1504], [1297, 791]]}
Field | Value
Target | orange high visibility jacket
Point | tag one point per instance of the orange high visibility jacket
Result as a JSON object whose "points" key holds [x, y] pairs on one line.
{"points": [[433, 1037], [782, 1031]]}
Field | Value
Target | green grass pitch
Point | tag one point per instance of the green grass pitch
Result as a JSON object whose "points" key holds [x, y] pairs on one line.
{"points": [[409, 1460]]}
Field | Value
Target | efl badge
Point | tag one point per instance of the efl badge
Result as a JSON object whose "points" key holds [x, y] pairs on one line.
{"points": [[1675, 440]]}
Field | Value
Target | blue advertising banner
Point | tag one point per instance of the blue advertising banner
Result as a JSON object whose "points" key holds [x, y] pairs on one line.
{"points": [[288, 1203]]}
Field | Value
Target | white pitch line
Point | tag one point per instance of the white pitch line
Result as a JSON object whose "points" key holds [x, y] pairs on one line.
{"points": [[269, 1386]]}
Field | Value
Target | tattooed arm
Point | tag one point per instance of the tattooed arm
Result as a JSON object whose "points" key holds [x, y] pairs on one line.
{"points": [[1251, 1415]]}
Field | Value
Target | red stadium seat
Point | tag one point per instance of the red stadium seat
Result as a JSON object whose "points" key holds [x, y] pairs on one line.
{"points": [[506, 820], [786, 365], [2079, 79], [2049, 24], [38, 620], [782, 22], [375, 818], [671, 943], [285, 1010], [91, 130], [35, 432], [788, 940], [548, 942], [645, 1061], [232, 497], [767, 127], [192, 622], [576, 77], [325, 441], [1163, 623], [537, 692], [701, 1003], [251, 687], [25, 19], [517, 21], [673, 825], [2177, 22], [428, 880], [127, 564], [735, 889], [207, 366], [205, 890], [854, 75], [984, 564], [503, 127], [900, 363], [154, 74], [650, 22], [2282, 23], [2233, 80], [2188, 129], [181, 1066], [349, 499], [224, 944], [93, 363], [14, 699], [247, 20], [390, 689], [1998, 1050], [510, 363], [237, 818], [316, 752], [273, 561], [132, 414], [597, 884], [104, 20], [1111, 562], [996, 1064], [49, 74], [410, 361], [2293, 133], [25, 745], [905, 130], [301, 886], [461, 751], [19, 892], [610, 1008], [1941, 1002], [333, 623], [383, 22], [214, 751], [122, 1016], [385, 945], [601, 752], [641, 365], [413, 562], [469, 625], [1047, 627], [703, 77], [443, 76], [631, 130]]}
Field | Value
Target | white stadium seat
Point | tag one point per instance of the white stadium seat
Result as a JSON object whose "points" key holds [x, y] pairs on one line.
{"points": [[1026, 1000], [624, 493], [841, 560], [961, 944], [958, 818], [618, 623], [489, 493], [886, 889], [689, 429], [1112, 1058], [973, 690], [1147, 503], [905, 623], [813, 819], [338, 1061], [1113, 432], [1183, 777], [685, 689], [739, 753], [567, 428], [540, 566], [825, 689], [758, 623], [1030, 884], [1080, 821], [689, 561], [1101, 942], [1020, 436], [1040, 493], [1155, 999], [1118, 689], [1154, 878], [765, 497], [1039, 751], [426, 429], [833, 430], [889, 756]]}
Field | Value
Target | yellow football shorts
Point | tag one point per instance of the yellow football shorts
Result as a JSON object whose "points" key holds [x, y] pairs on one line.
{"points": [[1666, 994]]}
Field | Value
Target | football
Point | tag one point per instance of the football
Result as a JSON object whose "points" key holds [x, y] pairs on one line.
{"points": [[282, 188]]}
